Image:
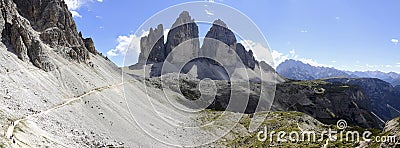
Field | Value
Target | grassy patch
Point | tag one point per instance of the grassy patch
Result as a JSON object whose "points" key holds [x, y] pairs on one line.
{"points": [[276, 121], [310, 82]]}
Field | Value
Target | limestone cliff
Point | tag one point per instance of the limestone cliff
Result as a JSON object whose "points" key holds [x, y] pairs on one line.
{"points": [[32, 28]]}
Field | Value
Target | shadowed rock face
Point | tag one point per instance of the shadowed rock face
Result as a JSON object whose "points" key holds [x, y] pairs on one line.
{"points": [[152, 46], [56, 27], [89, 44], [334, 103], [219, 36], [397, 88], [220, 31], [384, 97], [182, 30]]}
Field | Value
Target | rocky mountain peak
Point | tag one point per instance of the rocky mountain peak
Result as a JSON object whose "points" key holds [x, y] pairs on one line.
{"points": [[220, 43], [298, 70], [28, 25], [221, 32], [219, 22], [220, 35], [183, 18], [152, 46], [184, 29]]}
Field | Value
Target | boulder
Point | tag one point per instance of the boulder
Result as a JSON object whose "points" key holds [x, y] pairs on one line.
{"points": [[89, 44]]}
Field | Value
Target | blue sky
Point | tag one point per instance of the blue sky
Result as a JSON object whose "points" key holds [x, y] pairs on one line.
{"points": [[345, 34]]}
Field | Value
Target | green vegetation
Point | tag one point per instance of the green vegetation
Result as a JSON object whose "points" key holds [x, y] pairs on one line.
{"points": [[276, 121], [19, 129], [311, 83], [281, 121]]}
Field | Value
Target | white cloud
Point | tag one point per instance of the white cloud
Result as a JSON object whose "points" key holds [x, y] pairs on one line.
{"points": [[313, 62], [260, 52], [333, 61], [209, 12], [123, 45], [131, 42], [337, 18], [75, 14], [293, 54], [398, 64], [278, 57], [303, 31], [74, 5], [395, 41]]}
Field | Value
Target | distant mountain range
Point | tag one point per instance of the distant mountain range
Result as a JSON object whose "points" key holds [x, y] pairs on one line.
{"points": [[391, 77], [298, 70]]}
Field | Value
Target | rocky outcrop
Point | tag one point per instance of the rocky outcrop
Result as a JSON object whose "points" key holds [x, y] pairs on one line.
{"points": [[39, 58], [53, 16], [220, 38], [152, 48], [28, 25], [220, 32], [384, 97], [183, 29], [185, 33], [246, 56], [19, 39], [89, 44], [326, 102]]}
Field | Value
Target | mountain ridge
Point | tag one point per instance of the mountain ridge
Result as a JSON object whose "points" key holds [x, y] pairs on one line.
{"points": [[298, 70], [220, 47], [39, 25]]}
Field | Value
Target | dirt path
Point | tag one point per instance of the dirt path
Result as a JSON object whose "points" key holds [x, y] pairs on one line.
{"points": [[11, 127]]}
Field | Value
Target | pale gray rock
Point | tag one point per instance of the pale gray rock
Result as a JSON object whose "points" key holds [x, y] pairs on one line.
{"points": [[27, 25], [152, 48]]}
